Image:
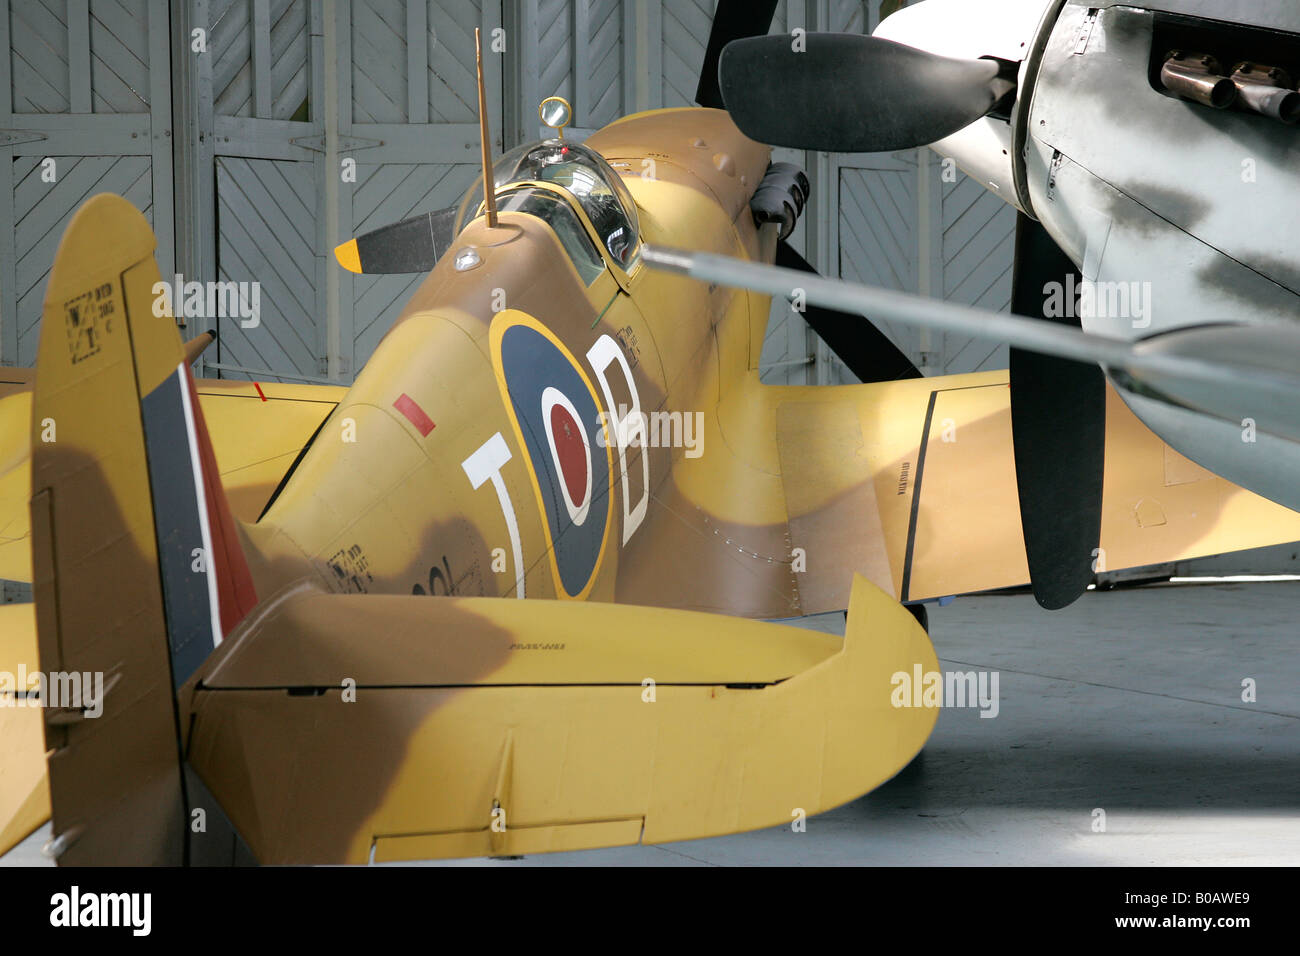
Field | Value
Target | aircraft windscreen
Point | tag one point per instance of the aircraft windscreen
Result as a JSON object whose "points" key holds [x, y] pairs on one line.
{"points": [[564, 223], [584, 175]]}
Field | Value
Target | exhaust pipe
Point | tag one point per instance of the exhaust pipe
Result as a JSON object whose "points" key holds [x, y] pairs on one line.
{"points": [[1266, 90], [1198, 78]]}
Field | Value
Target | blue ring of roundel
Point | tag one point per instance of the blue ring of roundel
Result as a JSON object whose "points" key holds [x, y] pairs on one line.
{"points": [[530, 363]]}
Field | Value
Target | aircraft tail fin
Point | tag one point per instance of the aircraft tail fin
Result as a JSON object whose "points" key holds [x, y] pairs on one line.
{"points": [[138, 571]]}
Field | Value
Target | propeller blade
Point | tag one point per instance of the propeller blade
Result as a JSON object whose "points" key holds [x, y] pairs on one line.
{"points": [[867, 351], [1058, 427], [853, 94], [195, 346], [412, 245], [733, 20]]}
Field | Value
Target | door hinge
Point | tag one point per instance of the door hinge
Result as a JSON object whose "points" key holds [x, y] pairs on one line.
{"points": [[1057, 159], [347, 144], [12, 137]]}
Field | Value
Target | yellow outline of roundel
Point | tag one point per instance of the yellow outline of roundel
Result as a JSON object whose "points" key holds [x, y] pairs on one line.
{"points": [[507, 319]]}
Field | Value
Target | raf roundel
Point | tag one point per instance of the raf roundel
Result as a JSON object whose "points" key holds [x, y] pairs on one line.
{"points": [[557, 419]]}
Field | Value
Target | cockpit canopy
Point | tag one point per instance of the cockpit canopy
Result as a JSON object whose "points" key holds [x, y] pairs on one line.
{"points": [[584, 175]]}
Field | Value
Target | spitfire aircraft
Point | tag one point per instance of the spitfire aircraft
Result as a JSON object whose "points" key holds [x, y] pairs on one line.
{"points": [[478, 604], [1150, 148]]}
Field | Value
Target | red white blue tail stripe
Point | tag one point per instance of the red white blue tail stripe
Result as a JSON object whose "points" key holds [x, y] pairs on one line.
{"points": [[207, 588]]}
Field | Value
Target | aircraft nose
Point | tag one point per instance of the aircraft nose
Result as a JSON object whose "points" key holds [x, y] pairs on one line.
{"points": [[971, 30], [968, 28]]}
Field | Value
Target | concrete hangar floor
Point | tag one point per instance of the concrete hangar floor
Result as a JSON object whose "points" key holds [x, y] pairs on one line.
{"points": [[1128, 702]]}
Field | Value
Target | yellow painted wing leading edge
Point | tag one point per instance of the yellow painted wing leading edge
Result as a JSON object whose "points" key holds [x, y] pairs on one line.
{"points": [[24, 790], [255, 435]]}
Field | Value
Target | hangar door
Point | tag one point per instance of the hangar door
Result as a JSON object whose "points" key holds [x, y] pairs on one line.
{"points": [[85, 107], [397, 81]]}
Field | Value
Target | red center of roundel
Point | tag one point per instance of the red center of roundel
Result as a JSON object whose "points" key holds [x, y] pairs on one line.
{"points": [[571, 452]]}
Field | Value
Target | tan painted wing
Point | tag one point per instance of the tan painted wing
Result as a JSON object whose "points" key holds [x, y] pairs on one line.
{"points": [[926, 468], [15, 473], [541, 711], [24, 793], [255, 442]]}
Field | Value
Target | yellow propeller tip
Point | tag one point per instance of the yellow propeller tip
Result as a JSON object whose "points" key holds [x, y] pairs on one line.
{"points": [[348, 256]]}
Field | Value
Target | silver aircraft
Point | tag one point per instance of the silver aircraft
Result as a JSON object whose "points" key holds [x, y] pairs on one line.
{"points": [[1152, 151]]}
